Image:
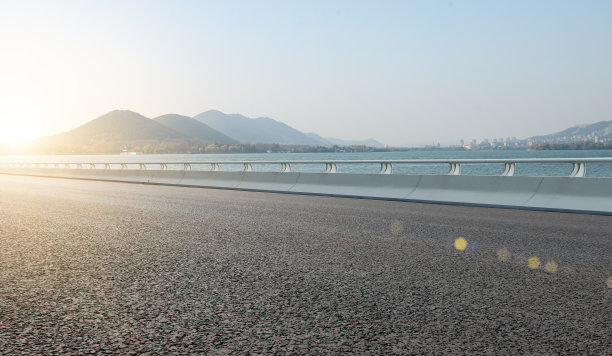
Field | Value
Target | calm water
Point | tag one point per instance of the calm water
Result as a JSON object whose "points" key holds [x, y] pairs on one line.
{"points": [[593, 170]]}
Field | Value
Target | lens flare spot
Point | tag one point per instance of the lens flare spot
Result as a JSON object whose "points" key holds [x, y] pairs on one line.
{"points": [[461, 243], [503, 255], [533, 262], [551, 266], [397, 227], [609, 282]]}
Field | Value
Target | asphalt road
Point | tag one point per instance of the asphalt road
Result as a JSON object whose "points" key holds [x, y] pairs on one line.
{"points": [[99, 267]]}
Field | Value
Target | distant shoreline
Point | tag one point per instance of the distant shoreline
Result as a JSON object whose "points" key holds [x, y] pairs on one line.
{"points": [[572, 146]]}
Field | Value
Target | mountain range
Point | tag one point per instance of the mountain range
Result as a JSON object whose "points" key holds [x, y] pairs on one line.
{"points": [[602, 130], [258, 130], [118, 125], [173, 133], [117, 129]]}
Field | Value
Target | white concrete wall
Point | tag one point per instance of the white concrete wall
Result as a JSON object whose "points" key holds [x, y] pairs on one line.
{"points": [[584, 195]]}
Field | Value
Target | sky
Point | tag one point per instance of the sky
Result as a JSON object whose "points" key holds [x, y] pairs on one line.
{"points": [[402, 72]]}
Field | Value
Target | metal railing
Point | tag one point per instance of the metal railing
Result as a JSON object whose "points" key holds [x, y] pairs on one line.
{"points": [[331, 166]]}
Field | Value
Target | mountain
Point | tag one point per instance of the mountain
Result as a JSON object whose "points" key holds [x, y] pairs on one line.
{"points": [[193, 128], [109, 133], [259, 130], [322, 141], [578, 133], [211, 131], [118, 126]]}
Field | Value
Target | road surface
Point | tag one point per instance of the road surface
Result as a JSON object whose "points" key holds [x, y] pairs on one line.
{"points": [[89, 266]]}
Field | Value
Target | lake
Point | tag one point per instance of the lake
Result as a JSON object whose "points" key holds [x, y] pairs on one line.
{"points": [[593, 170]]}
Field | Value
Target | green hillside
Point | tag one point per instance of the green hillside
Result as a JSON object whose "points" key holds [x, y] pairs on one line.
{"points": [[110, 133]]}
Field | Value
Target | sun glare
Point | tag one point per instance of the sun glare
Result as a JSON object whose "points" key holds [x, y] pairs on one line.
{"points": [[15, 129]]}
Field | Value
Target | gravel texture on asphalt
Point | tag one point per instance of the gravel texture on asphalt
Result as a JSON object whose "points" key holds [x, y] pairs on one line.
{"points": [[99, 267]]}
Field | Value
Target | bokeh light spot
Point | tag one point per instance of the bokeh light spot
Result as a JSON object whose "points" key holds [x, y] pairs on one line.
{"points": [[461, 243], [551, 266], [609, 282], [503, 255], [533, 262], [397, 227]]}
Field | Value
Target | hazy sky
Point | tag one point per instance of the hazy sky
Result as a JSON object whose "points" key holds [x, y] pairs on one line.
{"points": [[403, 72]]}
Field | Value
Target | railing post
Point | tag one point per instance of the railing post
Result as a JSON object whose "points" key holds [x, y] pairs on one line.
{"points": [[331, 168], [509, 169], [285, 167], [579, 169], [186, 166], [142, 166], [248, 167], [385, 168], [455, 169], [214, 167]]}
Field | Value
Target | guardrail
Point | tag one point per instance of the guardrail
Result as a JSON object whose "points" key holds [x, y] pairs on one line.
{"points": [[331, 166], [550, 193]]}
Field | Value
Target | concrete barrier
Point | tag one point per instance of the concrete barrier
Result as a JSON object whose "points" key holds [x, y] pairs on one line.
{"points": [[269, 181], [211, 179], [584, 194], [494, 190], [357, 185], [137, 176], [580, 195]]}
